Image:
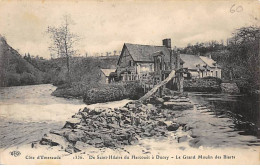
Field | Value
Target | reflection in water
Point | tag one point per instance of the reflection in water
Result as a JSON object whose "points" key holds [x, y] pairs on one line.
{"points": [[242, 109], [219, 120]]}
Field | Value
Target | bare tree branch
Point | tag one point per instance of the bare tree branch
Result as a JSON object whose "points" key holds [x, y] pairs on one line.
{"points": [[63, 41]]}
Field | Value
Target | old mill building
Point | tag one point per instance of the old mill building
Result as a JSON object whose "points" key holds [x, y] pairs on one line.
{"points": [[139, 61]]}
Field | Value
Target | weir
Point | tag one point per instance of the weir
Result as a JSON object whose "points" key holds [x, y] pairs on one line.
{"points": [[158, 86]]}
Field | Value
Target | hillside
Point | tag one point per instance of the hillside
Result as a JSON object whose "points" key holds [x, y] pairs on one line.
{"points": [[83, 69], [14, 70], [86, 70]]}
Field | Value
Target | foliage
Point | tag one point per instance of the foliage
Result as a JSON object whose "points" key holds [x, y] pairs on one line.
{"points": [[239, 60], [28, 79], [202, 48], [63, 42], [15, 70], [113, 92], [13, 79]]}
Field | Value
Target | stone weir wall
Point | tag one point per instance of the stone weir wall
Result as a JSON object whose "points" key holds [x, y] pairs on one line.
{"points": [[113, 128], [207, 84]]}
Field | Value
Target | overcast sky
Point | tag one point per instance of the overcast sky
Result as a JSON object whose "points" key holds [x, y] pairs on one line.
{"points": [[106, 25]]}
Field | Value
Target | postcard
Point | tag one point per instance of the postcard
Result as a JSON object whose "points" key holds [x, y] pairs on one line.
{"points": [[113, 82]]}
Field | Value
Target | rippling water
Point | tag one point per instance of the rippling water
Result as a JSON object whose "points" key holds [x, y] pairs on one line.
{"points": [[27, 112], [226, 120], [219, 120]]}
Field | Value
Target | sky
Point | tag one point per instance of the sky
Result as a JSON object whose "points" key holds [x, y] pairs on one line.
{"points": [[106, 25]]}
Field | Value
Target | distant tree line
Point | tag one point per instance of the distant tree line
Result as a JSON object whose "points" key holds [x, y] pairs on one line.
{"points": [[239, 59]]}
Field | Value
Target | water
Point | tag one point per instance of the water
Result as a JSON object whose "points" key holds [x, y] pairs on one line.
{"points": [[227, 120], [28, 112]]}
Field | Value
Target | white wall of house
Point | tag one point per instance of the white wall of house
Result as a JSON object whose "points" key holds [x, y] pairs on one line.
{"points": [[214, 72], [144, 68]]}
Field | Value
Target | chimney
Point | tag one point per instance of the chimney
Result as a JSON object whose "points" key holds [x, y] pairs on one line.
{"points": [[172, 59], [178, 60], [167, 43], [210, 56]]}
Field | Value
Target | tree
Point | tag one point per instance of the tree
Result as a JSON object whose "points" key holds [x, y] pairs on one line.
{"points": [[63, 42], [245, 54]]}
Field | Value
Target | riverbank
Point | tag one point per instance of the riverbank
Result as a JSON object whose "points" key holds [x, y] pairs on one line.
{"points": [[201, 131], [117, 127], [157, 118], [100, 93]]}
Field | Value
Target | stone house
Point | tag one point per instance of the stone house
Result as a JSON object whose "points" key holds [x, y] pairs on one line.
{"points": [[200, 66], [213, 68], [137, 61], [105, 75]]}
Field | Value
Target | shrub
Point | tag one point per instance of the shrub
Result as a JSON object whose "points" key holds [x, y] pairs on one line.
{"points": [[113, 92], [13, 79], [104, 93], [133, 90], [207, 84], [27, 79]]}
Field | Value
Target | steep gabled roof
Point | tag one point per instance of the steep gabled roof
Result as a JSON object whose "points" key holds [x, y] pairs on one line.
{"points": [[190, 61], [143, 53], [210, 62], [107, 71]]}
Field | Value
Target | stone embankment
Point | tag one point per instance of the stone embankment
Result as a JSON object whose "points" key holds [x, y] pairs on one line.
{"points": [[206, 84], [114, 128], [229, 88]]}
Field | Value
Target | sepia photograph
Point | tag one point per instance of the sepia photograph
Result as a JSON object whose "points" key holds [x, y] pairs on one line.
{"points": [[126, 82]]}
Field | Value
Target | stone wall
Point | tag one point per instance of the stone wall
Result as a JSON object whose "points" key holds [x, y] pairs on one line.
{"points": [[229, 88], [207, 84], [114, 128]]}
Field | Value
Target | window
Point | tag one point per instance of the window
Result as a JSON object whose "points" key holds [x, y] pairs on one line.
{"points": [[216, 73], [130, 63]]}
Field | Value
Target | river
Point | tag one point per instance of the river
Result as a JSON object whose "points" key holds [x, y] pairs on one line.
{"points": [[243, 110], [28, 112]]}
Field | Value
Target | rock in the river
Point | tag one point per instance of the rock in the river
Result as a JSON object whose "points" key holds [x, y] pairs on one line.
{"points": [[107, 127], [182, 139], [156, 100], [81, 146], [161, 123], [166, 98], [72, 123], [53, 140], [75, 135], [123, 109], [173, 127], [177, 105], [175, 97], [180, 100], [59, 132], [70, 149]]}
